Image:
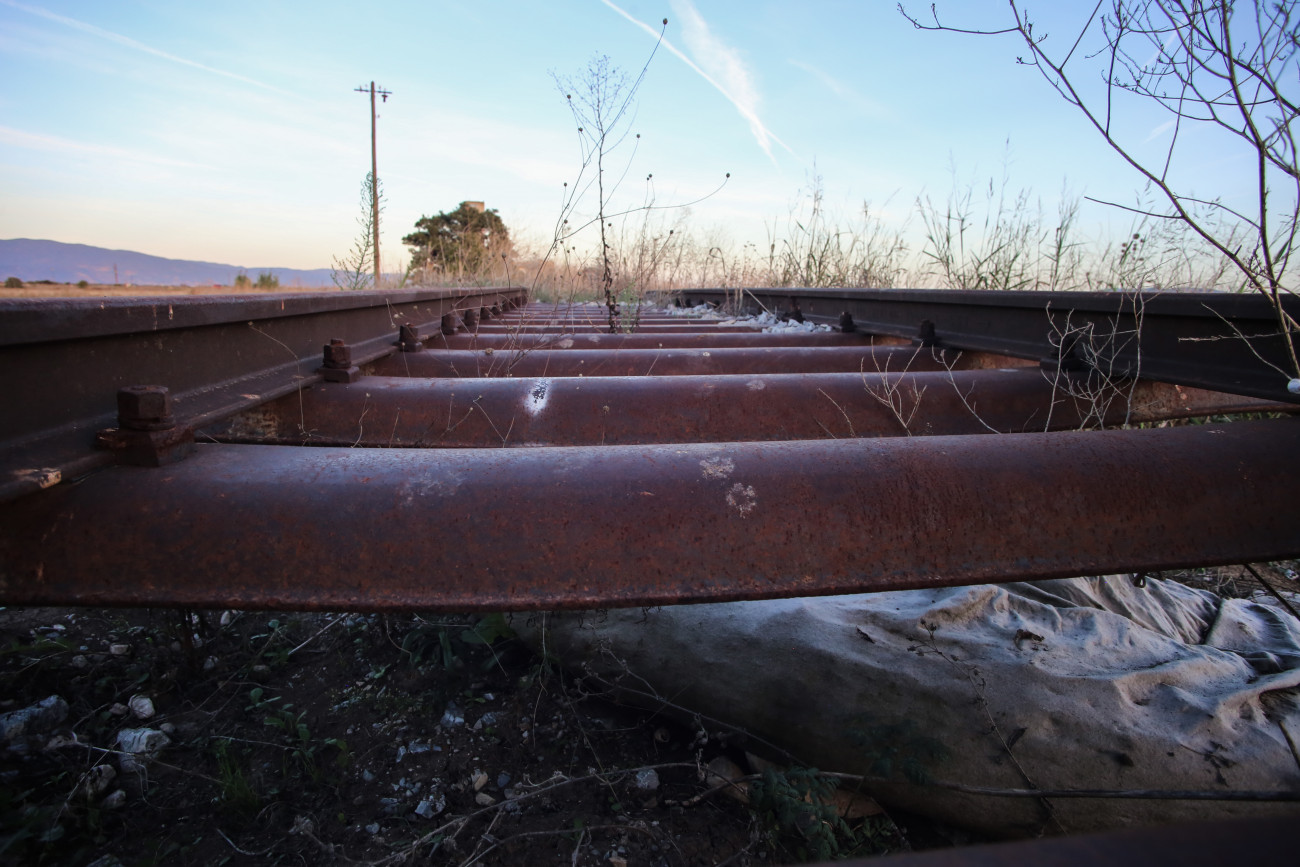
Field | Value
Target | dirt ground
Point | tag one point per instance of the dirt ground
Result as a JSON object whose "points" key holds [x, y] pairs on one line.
{"points": [[308, 738], [297, 738]]}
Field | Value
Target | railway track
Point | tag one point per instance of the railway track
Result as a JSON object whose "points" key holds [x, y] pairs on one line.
{"points": [[462, 449]]}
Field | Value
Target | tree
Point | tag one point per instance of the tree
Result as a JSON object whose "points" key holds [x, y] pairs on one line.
{"points": [[1209, 66], [464, 243]]}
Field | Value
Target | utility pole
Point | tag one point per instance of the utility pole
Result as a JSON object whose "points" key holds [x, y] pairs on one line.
{"points": [[374, 168]]}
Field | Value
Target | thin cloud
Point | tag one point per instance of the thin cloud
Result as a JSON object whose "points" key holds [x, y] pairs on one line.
{"points": [[722, 61], [842, 90], [1159, 130], [138, 46], [48, 143]]}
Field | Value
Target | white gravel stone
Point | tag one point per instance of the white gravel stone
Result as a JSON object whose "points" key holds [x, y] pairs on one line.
{"points": [[33, 719], [141, 706], [647, 780]]}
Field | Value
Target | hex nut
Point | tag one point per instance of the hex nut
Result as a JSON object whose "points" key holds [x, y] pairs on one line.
{"points": [[144, 407]]}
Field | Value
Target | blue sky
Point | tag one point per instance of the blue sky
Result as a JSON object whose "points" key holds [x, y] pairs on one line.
{"points": [[230, 131]]}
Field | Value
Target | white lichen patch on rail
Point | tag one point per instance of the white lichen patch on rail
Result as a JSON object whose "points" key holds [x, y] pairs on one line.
{"points": [[742, 498], [538, 396], [717, 468]]}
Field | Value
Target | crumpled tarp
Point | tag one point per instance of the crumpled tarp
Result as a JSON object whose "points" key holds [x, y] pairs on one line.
{"points": [[1083, 683]]}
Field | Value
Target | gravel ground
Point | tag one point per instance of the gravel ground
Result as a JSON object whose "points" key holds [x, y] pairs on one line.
{"points": [[272, 738]]}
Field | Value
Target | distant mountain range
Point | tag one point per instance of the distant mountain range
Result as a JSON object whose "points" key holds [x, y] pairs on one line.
{"points": [[31, 260]]}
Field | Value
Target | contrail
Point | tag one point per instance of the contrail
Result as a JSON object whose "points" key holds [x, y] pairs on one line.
{"points": [[138, 46], [762, 134]]}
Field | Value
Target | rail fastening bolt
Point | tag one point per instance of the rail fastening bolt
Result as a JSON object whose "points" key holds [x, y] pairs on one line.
{"points": [[145, 408], [338, 355]]}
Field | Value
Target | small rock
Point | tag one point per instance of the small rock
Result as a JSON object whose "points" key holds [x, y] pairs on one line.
{"points": [[97, 780], [415, 747], [227, 618], [617, 861], [167, 728], [503, 780], [431, 806], [452, 717], [372, 828], [33, 719], [119, 709], [119, 649], [209, 663], [141, 706], [401, 754], [646, 780], [58, 742], [114, 801], [483, 799], [139, 742], [367, 776], [79, 661], [480, 780]]}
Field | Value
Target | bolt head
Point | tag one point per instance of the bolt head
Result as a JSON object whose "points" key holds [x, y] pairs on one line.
{"points": [[149, 403], [338, 354]]}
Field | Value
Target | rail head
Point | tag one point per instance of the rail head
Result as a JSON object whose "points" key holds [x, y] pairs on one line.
{"points": [[1220, 341], [67, 360]]}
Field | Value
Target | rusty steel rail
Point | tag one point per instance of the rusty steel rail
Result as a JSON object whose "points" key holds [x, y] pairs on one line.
{"points": [[66, 360], [256, 526], [1264, 842], [712, 361], [719, 481], [1212, 340], [577, 328], [688, 340], [392, 412]]}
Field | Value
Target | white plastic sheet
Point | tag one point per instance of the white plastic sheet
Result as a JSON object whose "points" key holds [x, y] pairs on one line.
{"points": [[1085, 683]]}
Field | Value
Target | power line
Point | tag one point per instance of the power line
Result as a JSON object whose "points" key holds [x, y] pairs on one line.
{"points": [[374, 167]]}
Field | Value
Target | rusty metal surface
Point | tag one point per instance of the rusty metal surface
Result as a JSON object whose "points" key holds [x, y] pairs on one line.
{"points": [[720, 339], [486, 413], [527, 317], [1214, 340], [1263, 842], [65, 360], [517, 529], [33, 320], [579, 328], [678, 362]]}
